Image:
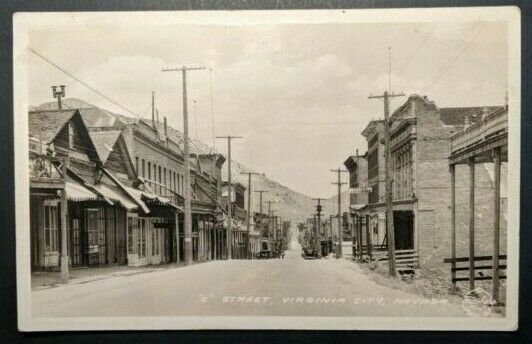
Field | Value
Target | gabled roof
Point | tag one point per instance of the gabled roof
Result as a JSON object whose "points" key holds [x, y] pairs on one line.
{"points": [[104, 141], [96, 117], [456, 115], [47, 124]]}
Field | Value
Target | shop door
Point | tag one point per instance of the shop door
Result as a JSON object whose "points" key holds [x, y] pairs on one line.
{"points": [[403, 223], [92, 249]]}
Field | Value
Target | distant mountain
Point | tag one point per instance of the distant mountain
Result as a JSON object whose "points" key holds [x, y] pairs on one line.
{"points": [[289, 204]]}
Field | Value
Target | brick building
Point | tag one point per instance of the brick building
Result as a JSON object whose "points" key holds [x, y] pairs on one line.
{"points": [[374, 215], [420, 146]]}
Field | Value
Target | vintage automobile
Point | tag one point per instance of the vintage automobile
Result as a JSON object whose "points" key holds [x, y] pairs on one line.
{"points": [[265, 249]]}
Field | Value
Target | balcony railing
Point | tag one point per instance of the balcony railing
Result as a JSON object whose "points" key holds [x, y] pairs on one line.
{"points": [[492, 125]]}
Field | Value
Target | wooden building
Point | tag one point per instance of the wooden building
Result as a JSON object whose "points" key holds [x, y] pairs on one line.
{"points": [[239, 215], [93, 236]]}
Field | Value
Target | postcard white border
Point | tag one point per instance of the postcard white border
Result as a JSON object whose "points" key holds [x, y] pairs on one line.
{"points": [[22, 22]]}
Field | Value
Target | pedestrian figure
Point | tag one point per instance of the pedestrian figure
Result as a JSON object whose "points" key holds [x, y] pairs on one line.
{"points": [[282, 255]]}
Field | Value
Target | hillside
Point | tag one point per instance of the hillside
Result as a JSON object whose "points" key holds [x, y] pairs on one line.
{"points": [[287, 203]]}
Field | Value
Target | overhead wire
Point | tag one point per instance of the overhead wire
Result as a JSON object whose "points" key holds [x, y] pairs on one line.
{"points": [[66, 72], [453, 59]]}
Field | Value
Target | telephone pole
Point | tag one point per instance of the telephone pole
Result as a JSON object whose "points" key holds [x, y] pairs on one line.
{"points": [[260, 192], [340, 230], [153, 109], [64, 223], [317, 228], [229, 191], [390, 232], [270, 213], [195, 119], [248, 241], [58, 94], [188, 216]]}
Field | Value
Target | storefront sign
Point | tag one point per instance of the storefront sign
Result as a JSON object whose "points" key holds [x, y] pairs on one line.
{"points": [[361, 189]]}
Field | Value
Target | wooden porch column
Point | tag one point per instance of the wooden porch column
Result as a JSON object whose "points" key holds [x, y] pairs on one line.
{"points": [[360, 244], [357, 246], [64, 225], [452, 169], [177, 237], [496, 221], [369, 246], [353, 233], [215, 242], [471, 163]]}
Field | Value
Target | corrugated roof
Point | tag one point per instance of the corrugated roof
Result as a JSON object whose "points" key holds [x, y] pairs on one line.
{"points": [[116, 195], [456, 115], [96, 117], [104, 141], [47, 124], [78, 193]]}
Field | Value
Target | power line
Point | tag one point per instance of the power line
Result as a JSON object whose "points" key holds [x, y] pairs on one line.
{"points": [[418, 48], [445, 67], [64, 71]]}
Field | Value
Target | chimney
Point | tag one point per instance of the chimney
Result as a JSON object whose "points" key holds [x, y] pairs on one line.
{"points": [[165, 127], [484, 112], [506, 100]]}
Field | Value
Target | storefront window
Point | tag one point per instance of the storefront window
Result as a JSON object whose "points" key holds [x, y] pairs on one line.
{"points": [[51, 227], [92, 229], [141, 238], [131, 235]]}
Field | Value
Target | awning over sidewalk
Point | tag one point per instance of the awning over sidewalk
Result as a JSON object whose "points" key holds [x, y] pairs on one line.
{"points": [[78, 193], [116, 196], [357, 206]]}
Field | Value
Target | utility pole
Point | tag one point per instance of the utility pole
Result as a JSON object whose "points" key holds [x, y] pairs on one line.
{"points": [[317, 228], [390, 232], [248, 241], [229, 192], [64, 223], [188, 216], [212, 113], [331, 229], [260, 192], [153, 109], [270, 213], [58, 94], [340, 230], [195, 121]]}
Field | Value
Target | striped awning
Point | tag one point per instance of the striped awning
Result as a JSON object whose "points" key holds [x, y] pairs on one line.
{"points": [[78, 193], [357, 206], [116, 195]]}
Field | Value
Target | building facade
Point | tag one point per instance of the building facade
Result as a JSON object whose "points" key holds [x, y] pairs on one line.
{"points": [[421, 136]]}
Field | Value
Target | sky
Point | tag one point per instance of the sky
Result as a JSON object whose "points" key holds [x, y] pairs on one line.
{"points": [[297, 93]]}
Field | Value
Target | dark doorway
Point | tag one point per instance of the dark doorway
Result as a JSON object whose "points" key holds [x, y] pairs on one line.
{"points": [[403, 223]]}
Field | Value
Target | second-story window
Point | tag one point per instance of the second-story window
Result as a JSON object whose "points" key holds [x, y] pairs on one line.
{"points": [[143, 168], [164, 179], [160, 179], [137, 165], [155, 177], [149, 172]]}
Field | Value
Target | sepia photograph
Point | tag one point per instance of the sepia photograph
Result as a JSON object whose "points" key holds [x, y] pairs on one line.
{"points": [[304, 169]]}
